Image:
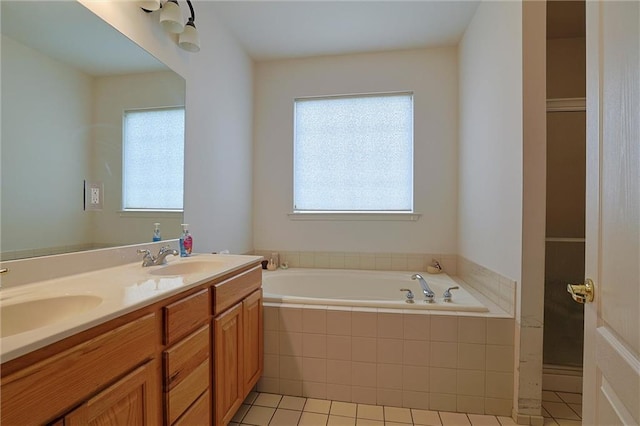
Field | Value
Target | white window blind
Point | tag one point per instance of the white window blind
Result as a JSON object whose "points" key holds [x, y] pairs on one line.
{"points": [[153, 159], [354, 154]]}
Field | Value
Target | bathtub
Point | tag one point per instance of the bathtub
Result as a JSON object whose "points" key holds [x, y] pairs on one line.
{"points": [[372, 289]]}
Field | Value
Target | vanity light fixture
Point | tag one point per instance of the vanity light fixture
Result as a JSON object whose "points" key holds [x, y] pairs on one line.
{"points": [[171, 21]]}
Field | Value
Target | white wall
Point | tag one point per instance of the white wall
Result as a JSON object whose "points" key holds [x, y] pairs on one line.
{"points": [[490, 157], [432, 76], [113, 95], [46, 116], [218, 162]]}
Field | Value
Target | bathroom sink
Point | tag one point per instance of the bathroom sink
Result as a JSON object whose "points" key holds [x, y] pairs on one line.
{"points": [[25, 316], [183, 268]]}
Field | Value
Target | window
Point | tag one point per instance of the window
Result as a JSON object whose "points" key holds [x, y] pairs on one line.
{"points": [[354, 154], [153, 159]]}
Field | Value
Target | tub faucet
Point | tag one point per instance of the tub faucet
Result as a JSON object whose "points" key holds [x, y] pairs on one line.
{"points": [[428, 293]]}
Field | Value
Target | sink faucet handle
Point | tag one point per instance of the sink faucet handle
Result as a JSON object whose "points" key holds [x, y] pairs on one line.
{"points": [[409, 293], [147, 259], [144, 251]]}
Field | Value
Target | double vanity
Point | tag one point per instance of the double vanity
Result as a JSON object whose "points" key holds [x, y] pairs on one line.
{"points": [[175, 344]]}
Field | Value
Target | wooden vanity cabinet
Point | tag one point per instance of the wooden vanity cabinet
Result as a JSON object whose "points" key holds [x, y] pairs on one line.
{"points": [[238, 342], [154, 366]]}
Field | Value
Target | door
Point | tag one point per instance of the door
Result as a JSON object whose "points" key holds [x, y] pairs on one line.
{"points": [[130, 401], [611, 385], [228, 364], [253, 339]]}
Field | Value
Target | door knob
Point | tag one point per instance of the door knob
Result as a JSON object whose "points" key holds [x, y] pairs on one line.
{"points": [[582, 293]]}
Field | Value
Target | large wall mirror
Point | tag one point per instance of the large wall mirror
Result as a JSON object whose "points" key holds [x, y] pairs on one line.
{"points": [[67, 78]]}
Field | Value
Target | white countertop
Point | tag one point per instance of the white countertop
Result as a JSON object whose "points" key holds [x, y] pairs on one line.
{"points": [[123, 289]]}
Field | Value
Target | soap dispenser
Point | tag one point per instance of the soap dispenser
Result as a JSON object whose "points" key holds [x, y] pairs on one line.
{"points": [[156, 232], [186, 242]]}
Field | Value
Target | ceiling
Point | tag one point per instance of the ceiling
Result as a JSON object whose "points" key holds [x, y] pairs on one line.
{"points": [[291, 29], [69, 32]]}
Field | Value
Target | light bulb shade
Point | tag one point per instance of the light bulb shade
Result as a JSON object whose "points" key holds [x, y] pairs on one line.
{"points": [[171, 17], [190, 39], [149, 5]]}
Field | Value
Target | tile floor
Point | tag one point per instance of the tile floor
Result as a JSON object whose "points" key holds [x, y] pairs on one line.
{"points": [[561, 408], [261, 409]]}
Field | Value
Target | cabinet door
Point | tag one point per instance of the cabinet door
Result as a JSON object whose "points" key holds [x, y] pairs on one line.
{"points": [[253, 339], [228, 364], [130, 401]]}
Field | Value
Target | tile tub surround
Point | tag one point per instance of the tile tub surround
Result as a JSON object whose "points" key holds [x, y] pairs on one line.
{"points": [[461, 363]]}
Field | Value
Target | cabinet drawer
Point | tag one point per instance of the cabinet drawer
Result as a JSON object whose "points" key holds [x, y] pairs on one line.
{"points": [[184, 316], [183, 358], [198, 414], [229, 292], [184, 393]]}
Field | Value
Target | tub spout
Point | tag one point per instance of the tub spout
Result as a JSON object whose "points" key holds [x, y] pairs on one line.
{"points": [[428, 293]]}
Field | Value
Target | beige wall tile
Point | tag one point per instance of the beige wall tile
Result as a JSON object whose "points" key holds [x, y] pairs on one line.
{"points": [[336, 261], [339, 347], [444, 328], [314, 345], [417, 400], [472, 404], [292, 258], [399, 263], [499, 385], [290, 368], [389, 376], [322, 260], [500, 358], [391, 397], [443, 380], [268, 384], [415, 378], [307, 260], [449, 264], [339, 372], [363, 349], [500, 331], [271, 366], [390, 326], [314, 369], [442, 402], [363, 374], [364, 324], [339, 322], [415, 263], [443, 354], [338, 392], [290, 319], [271, 342], [471, 383], [271, 318], [367, 261], [383, 263], [498, 407], [291, 387], [471, 356], [390, 351], [290, 343], [416, 326], [472, 330], [314, 321], [363, 395], [416, 352]]}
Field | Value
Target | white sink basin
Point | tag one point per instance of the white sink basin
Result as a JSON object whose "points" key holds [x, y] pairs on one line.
{"points": [[191, 267], [25, 316]]}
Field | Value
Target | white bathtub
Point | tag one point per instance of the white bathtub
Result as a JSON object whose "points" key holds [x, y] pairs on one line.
{"points": [[374, 289]]}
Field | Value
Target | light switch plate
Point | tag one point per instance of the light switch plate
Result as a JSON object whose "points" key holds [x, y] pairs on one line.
{"points": [[93, 195]]}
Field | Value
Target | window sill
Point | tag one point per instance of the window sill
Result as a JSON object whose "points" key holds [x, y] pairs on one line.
{"points": [[151, 213], [355, 216]]}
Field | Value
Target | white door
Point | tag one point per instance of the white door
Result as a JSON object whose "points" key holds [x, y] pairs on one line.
{"points": [[611, 390]]}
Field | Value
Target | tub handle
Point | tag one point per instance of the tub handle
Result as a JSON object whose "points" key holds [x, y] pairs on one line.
{"points": [[409, 294], [447, 293]]}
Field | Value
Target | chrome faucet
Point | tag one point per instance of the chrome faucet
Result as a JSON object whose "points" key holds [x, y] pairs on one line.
{"points": [[428, 293], [149, 260]]}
